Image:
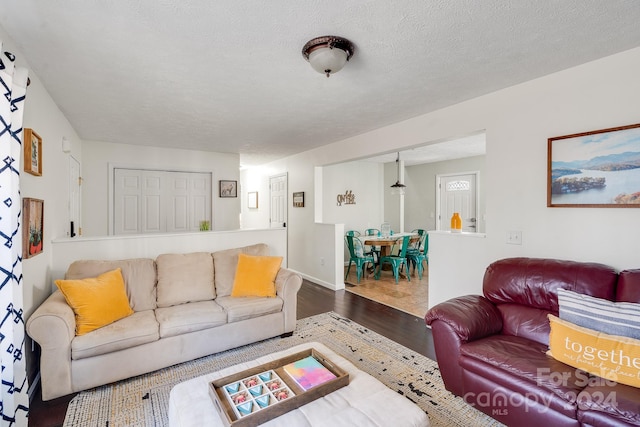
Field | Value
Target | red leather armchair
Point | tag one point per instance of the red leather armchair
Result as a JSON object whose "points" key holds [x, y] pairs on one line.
{"points": [[491, 349]]}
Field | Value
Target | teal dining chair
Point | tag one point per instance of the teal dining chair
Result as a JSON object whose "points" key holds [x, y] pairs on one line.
{"points": [[354, 233], [374, 249], [396, 261], [417, 258], [357, 256]]}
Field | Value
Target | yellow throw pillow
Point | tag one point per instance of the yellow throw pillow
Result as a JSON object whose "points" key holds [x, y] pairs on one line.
{"points": [[611, 357], [255, 276], [96, 301]]}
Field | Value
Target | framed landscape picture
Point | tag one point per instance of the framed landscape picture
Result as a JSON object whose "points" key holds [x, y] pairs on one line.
{"points": [[33, 226], [595, 169]]}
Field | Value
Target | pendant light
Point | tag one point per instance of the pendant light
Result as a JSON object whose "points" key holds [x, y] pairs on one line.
{"points": [[398, 187]]}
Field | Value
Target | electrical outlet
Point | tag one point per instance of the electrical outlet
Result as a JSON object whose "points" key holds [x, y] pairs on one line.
{"points": [[514, 237], [321, 261]]}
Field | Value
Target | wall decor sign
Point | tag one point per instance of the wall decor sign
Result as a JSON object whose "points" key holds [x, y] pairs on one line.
{"points": [[599, 169], [298, 199], [228, 188], [33, 226], [348, 198], [252, 203], [32, 152]]}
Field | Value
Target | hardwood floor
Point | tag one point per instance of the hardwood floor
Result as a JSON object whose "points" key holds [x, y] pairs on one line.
{"points": [[405, 329]]}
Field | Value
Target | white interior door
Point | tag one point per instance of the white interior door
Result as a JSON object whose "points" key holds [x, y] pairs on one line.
{"points": [[74, 197], [458, 193], [278, 197]]}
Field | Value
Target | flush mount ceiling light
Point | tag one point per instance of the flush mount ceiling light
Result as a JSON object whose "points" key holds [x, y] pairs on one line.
{"points": [[398, 187], [328, 54]]}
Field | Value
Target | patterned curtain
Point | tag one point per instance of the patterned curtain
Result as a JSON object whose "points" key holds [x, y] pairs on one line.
{"points": [[14, 400]]}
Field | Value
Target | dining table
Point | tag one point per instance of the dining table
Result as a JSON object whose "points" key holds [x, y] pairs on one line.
{"points": [[386, 242]]}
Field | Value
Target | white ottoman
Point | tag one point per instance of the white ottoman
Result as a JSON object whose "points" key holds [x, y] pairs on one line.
{"points": [[364, 402]]}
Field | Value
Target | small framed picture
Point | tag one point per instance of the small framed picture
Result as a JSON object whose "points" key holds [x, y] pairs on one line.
{"points": [[228, 188], [253, 200], [32, 152], [298, 199], [33, 226]]}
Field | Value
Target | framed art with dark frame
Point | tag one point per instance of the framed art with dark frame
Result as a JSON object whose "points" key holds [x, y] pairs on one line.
{"points": [[228, 188], [598, 169], [33, 226], [298, 199], [32, 152]]}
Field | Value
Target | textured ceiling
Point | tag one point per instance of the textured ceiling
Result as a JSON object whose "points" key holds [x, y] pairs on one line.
{"points": [[228, 76]]}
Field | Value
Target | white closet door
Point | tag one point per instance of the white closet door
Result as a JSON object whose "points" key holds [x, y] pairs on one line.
{"points": [[152, 204], [147, 201], [178, 202], [199, 200]]}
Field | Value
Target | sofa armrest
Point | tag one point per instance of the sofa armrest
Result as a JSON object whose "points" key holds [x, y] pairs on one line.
{"points": [[53, 326], [454, 323], [471, 317], [288, 283]]}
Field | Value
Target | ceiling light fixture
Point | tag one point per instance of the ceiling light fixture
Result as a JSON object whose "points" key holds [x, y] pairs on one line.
{"points": [[328, 54], [398, 187]]}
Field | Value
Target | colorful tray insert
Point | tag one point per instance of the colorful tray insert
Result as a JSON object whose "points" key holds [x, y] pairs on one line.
{"points": [[308, 372]]}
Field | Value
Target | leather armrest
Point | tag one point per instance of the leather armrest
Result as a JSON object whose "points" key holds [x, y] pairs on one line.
{"points": [[471, 317]]}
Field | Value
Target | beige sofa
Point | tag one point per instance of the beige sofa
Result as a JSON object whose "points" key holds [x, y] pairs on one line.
{"points": [[182, 311]]}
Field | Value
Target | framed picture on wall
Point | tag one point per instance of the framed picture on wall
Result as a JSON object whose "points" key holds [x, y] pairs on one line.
{"points": [[228, 188], [252, 203], [32, 152], [597, 169], [33, 226], [298, 199]]}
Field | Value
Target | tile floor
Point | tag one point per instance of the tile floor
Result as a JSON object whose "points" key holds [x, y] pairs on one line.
{"points": [[410, 297]]}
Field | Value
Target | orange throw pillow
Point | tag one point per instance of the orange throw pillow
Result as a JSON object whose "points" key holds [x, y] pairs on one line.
{"points": [[96, 301], [255, 276]]}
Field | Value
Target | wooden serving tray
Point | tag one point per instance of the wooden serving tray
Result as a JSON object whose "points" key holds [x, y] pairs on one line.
{"points": [[299, 397]]}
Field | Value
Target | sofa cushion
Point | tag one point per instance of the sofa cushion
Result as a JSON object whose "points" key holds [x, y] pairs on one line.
{"points": [[184, 278], [189, 317], [614, 318], [139, 328], [96, 301], [603, 402], [226, 261], [509, 360], [527, 322], [609, 356], [139, 278], [255, 276], [246, 308]]}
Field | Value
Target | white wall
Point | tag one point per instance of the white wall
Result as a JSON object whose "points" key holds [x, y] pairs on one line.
{"points": [[518, 121], [150, 246], [97, 156], [255, 218], [365, 181]]}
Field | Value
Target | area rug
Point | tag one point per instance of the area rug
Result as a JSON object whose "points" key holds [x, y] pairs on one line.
{"points": [[144, 400]]}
